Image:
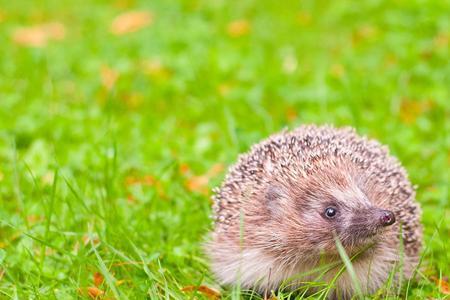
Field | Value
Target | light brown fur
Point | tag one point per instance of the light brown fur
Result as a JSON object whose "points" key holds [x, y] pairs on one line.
{"points": [[268, 223]]}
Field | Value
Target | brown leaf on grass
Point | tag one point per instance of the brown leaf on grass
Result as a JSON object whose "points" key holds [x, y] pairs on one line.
{"points": [[131, 21], [410, 110], [108, 77], [184, 169], [98, 279], [199, 184], [443, 284], [291, 114], [39, 35], [238, 28], [147, 180], [208, 292], [92, 292]]}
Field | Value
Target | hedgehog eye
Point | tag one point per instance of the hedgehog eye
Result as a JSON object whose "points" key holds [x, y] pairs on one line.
{"points": [[330, 212]]}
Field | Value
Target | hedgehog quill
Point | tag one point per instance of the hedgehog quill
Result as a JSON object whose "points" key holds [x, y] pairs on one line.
{"points": [[282, 206]]}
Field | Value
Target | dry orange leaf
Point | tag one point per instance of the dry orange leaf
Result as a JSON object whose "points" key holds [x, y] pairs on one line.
{"points": [[108, 77], [238, 28], [200, 183], [39, 35], [98, 279], [184, 168], [146, 180], [443, 284], [291, 114], [131, 21], [94, 292], [203, 289], [410, 110]]}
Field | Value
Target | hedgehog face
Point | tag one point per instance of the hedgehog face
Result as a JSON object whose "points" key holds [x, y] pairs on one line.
{"points": [[356, 226], [310, 216], [338, 207]]}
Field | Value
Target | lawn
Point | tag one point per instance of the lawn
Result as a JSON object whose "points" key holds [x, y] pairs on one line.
{"points": [[118, 117]]}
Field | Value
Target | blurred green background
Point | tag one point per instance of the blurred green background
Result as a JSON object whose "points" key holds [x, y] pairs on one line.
{"points": [[117, 117]]}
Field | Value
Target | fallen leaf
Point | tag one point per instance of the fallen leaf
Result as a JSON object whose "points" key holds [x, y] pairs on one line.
{"points": [[92, 292], [184, 168], [131, 21], [199, 184], [147, 180], [39, 35], [443, 284], [238, 28], [203, 289], [108, 77], [410, 110], [98, 279], [291, 114]]}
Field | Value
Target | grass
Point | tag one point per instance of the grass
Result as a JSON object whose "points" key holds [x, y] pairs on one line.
{"points": [[104, 138]]}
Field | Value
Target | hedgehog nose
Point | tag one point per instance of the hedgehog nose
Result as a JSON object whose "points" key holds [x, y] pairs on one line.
{"points": [[387, 218]]}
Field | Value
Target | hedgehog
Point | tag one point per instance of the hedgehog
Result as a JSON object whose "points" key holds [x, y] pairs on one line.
{"points": [[288, 206]]}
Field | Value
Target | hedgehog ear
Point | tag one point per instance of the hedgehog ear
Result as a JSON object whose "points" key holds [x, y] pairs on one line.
{"points": [[273, 199]]}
